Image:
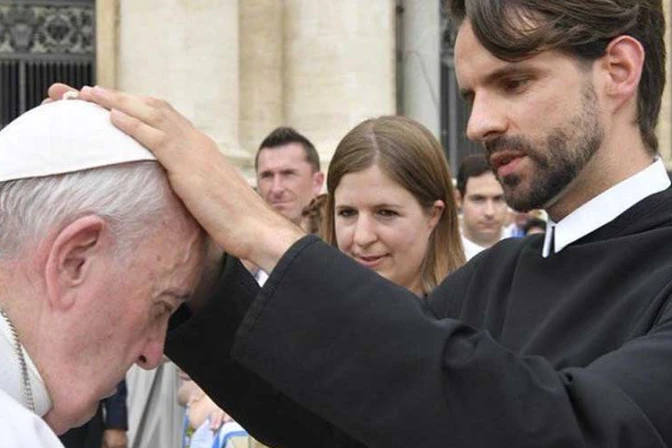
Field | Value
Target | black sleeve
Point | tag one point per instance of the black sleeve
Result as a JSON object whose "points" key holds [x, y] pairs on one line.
{"points": [[200, 345], [367, 355]]}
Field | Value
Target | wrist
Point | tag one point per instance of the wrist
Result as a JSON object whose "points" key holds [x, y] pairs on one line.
{"points": [[273, 243]]}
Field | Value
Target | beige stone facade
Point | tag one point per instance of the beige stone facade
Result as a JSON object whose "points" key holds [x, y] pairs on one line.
{"points": [[239, 68]]}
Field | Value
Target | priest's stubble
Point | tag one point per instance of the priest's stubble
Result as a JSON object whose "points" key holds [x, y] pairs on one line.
{"points": [[559, 161]]}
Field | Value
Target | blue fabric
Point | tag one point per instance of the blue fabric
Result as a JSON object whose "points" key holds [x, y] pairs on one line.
{"points": [[185, 427], [221, 442]]}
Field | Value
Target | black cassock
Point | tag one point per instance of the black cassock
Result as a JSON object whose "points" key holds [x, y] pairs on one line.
{"points": [[512, 350]]}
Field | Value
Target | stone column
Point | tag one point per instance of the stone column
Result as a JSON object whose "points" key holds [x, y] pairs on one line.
{"points": [[107, 23], [261, 71], [339, 66], [422, 63], [187, 53]]}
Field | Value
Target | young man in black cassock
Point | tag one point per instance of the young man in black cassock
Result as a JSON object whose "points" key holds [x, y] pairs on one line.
{"points": [[556, 341]]}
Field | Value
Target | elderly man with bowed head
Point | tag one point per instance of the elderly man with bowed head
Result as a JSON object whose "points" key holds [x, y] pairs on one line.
{"points": [[95, 254]]}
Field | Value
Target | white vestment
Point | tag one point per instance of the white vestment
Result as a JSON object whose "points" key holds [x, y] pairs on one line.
{"points": [[19, 427]]}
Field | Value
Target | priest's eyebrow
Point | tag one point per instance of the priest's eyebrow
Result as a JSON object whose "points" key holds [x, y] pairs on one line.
{"points": [[510, 70]]}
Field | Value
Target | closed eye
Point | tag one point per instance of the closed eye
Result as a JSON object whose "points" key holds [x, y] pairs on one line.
{"points": [[162, 310]]}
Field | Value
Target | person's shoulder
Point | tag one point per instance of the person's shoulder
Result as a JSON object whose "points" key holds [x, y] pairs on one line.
{"points": [[495, 264], [21, 427], [502, 259], [514, 247]]}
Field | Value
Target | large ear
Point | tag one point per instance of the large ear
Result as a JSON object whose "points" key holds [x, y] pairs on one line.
{"points": [[318, 181], [623, 62], [71, 256]]}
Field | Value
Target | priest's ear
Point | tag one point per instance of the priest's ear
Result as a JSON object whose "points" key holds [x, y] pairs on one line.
{"points": [[621, 67], [72, 258]]}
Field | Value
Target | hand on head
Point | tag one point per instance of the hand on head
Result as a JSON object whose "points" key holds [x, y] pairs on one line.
{"points": [[236, 218]]}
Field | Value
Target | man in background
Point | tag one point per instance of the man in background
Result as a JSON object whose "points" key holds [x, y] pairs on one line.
{"points": [[288, 172], [481, 199]]}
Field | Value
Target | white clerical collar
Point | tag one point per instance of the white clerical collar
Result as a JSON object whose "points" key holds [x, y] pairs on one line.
{"points": [[605, 207], [10, 373], [261, 276]]}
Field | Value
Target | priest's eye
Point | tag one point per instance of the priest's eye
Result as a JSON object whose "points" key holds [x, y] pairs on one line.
{"points": [[513, 85]]}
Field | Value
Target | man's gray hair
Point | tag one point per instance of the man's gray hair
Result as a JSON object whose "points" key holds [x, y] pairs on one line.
{"points": [[129, 197]]}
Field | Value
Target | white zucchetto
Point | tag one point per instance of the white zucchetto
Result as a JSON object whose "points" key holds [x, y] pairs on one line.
{"points": [[63, 137]]}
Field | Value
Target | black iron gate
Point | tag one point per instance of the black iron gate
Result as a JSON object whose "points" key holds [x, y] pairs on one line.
{"points": [[42, 42], [454, 111]]}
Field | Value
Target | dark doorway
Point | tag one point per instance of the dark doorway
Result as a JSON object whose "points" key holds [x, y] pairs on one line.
{"points": [[42, 42], [454, 111]]}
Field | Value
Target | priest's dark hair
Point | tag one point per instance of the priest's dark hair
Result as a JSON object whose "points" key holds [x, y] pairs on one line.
{"points": [[284, 135], [513, 30]]}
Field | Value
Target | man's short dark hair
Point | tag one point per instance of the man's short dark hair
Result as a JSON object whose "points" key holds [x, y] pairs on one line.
{"points": [[471, 166], [284, 136], [582, 28]]}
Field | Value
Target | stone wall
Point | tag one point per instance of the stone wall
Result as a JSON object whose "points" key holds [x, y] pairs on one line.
{"points": [[238, 69]]}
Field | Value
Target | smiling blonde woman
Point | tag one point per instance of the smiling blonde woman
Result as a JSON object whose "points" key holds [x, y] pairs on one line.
{"points": [[391, 203]]}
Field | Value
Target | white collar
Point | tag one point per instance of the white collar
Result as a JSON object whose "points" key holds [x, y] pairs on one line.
{"points": [[10, 373], [261, 276], [606, 207], [471, 249]]}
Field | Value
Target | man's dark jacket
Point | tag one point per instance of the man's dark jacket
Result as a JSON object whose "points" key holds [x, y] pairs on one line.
{"points": [[512, 350]]}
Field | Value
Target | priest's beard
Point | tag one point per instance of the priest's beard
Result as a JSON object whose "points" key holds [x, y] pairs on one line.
{"points": [[566, 152]]}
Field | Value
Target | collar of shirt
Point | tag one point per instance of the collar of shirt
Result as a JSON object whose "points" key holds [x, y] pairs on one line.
{"points": [[471, 249], [605, 207], [260, 276]]}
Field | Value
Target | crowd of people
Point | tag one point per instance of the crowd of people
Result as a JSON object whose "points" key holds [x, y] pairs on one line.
{"points": [[398, 308]]}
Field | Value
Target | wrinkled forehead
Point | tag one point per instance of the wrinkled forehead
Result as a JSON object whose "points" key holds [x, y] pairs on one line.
{"points": [[176, 252]]}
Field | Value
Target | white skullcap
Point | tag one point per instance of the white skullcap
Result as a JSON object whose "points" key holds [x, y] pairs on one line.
{"points": [[63, 137]]}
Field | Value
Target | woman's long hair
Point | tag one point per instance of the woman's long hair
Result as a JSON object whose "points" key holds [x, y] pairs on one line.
{"points": [[410, 155]]}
